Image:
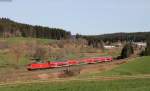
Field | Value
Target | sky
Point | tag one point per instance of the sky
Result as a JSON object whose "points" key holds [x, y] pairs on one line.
{"points": [[87, 17]]}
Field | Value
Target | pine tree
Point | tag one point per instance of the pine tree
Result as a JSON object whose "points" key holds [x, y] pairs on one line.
{"points": [[127, 50], [147, 49]]}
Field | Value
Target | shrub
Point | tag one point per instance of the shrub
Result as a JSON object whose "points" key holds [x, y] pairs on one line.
{"points": [[71, 72], [146, 52], [39, 54], [127, 50]]}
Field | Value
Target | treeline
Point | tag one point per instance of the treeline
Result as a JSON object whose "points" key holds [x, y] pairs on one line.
{"points": [[92, 41], [9, 28], [115, 37], [95, 43]]}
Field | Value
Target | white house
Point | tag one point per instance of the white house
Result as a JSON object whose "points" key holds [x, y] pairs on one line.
{"points": [[109, 47], [140, 44]]}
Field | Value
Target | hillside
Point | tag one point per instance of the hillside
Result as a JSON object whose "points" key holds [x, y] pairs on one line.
{"points": [[10, 28], [24, 49], [139, 66], [115, 37], [11, 47]]}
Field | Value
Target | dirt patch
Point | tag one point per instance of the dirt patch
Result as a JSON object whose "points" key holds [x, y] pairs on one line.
{"points": [[101, 67]]}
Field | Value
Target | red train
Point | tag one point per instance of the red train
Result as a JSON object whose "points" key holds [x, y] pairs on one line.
{"points": [[49, 65]]}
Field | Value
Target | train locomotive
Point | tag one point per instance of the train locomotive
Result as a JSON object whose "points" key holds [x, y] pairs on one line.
{"points": [[50, 65]]}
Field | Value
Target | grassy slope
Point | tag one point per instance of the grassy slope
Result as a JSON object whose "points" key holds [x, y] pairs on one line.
{"points": [[7, 58], [17, 40], [137, 67], [114, 85]]}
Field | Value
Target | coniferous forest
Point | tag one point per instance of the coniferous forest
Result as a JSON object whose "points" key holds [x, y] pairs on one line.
{"points": [[9, 28]]}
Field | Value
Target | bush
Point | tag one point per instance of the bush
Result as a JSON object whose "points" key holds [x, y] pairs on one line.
{"points": [[39, 53], [127, 51], [142, 53], [71, 72], [146, 52]]}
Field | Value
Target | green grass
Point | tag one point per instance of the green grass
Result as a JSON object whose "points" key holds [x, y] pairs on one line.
{"points": [[138, 66], [111, 85], [8, 58], [17, 40]]}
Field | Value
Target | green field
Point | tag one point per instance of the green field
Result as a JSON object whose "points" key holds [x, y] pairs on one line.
{"points": [[114, 85], [17, 40], [139, 66], [7, 58], [134, 74], [136, 67]]}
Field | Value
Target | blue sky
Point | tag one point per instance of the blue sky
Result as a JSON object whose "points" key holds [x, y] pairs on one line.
{"points": [[81, 16]]}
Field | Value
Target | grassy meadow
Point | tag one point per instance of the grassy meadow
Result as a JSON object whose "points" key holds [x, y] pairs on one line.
{"points": [[138, 66], [110, 85], [135, 67]]}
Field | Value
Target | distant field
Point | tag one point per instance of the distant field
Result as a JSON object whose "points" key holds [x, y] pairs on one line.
{"points": [[110, 85], [16, 40]]}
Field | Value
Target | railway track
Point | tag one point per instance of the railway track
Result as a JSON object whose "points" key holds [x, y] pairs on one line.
{"points": [[24, 75], [81, 66]]}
